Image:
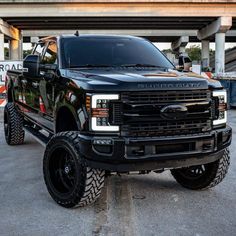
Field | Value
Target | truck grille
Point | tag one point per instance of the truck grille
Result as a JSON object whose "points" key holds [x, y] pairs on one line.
{"points": [[162, 97], [139, 113]]}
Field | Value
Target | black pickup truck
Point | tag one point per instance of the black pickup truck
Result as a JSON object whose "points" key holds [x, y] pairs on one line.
{"points": [[115, 104]]}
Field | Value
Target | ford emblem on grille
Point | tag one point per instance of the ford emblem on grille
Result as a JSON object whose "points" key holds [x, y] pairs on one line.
{"points": [[173, 112]]}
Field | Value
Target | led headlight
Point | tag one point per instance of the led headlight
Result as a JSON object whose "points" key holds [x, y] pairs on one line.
{"points": [[221, 107], [100, 112]]}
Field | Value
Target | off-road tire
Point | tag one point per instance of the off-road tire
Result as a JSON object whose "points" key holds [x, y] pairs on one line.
{"points": [[214, 173], [79, 188], [13, 125]]}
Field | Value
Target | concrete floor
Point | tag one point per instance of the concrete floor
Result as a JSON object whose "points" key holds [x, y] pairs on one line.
{"points": [[131, 205]]}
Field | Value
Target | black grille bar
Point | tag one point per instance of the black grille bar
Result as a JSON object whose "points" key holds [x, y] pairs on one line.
{"points": [[166, 128], [165, 97]]}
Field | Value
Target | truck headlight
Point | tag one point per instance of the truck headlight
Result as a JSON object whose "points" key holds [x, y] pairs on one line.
{"points": [[221, 107], [100, 112]]}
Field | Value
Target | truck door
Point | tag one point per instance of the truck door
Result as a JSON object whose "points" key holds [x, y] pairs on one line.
{"points": [[47, 84], [30, 88], [38, 92]]}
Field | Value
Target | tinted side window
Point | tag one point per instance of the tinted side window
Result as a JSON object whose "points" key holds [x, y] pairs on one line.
{"points": [[50, 56]]}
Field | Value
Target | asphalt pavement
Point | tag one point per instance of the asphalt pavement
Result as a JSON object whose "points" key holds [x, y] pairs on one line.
{"points": [[151, 204]]}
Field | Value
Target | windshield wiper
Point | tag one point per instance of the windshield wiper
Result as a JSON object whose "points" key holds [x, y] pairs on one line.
{"points": [[142, 65], [90, 66]]}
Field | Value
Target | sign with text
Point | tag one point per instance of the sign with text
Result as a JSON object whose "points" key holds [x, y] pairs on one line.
{"points": [[8, 65]]}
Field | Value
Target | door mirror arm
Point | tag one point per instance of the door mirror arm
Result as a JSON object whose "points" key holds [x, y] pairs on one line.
{"points": [[49, 76], [48, 67], [48, 71]]}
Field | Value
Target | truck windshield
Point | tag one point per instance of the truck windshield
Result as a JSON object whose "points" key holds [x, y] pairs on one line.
{"points": [[111, 52]]}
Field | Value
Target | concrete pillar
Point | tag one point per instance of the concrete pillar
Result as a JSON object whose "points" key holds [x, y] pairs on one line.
{"points": [[15, 49], [205, 57], [220, 53], [179, 45], [21, 48], [181, 50], [2, 57]]}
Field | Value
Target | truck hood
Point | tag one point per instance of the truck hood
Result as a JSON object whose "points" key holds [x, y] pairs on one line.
{"points": [[132, 79]]}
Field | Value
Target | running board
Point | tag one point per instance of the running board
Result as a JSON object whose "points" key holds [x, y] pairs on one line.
{"points": [[39, 137]]}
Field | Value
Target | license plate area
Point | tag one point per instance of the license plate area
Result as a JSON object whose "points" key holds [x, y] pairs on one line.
{"points": [[169, 148]]}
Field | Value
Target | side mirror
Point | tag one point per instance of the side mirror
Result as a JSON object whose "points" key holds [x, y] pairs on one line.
{"points": [[31, 66]]}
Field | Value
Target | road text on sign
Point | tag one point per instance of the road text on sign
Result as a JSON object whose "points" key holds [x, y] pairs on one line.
{"points": [[8, 65]]}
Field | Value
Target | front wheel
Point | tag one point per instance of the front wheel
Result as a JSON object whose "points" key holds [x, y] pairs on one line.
{"points": [[69, 181], [203, 176]]}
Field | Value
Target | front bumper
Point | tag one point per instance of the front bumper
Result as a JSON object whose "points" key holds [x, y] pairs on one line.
{"points": [[124, 154]]}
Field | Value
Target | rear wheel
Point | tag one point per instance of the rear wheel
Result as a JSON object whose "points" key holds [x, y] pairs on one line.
{"points": [[69, 181], [203, 176], [13, 125]]}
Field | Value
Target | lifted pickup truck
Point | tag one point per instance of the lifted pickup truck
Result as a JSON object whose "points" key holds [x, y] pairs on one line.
{"points": [[115, 104]]}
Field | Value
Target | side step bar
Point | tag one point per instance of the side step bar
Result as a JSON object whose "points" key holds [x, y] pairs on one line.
{"points": [[38, 136]]}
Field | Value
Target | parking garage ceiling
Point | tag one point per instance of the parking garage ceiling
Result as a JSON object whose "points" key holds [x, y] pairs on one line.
{"points": [[41, 23], [116, 23]]}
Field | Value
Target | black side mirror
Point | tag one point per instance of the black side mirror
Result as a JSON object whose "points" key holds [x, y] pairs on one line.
{"points": [[31, 66]]}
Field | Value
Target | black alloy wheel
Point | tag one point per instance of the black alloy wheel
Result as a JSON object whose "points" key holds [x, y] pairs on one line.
{"points": [[70, 182], [62, 170]]}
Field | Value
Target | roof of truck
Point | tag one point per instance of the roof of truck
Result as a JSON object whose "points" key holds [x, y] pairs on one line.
{"points": [[89, 36]]}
